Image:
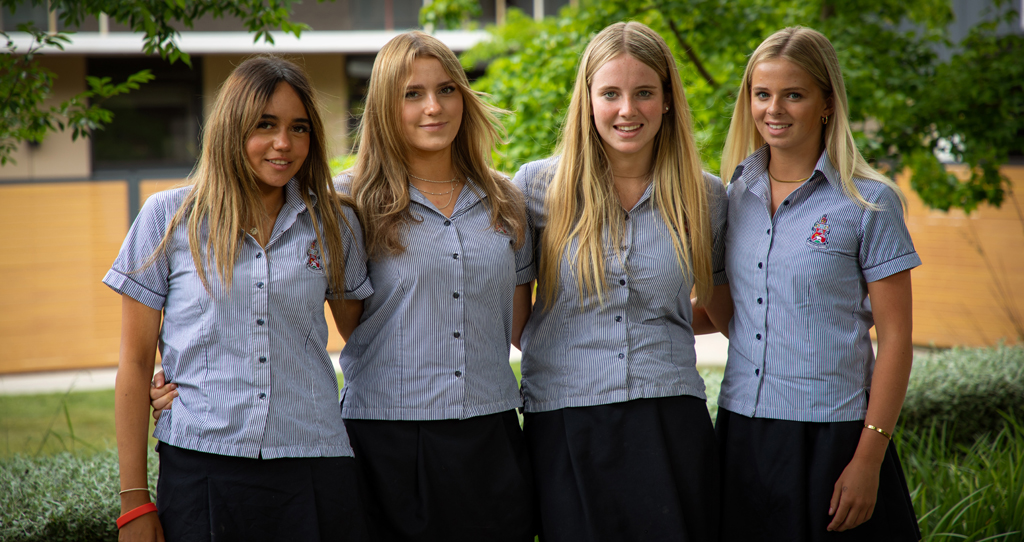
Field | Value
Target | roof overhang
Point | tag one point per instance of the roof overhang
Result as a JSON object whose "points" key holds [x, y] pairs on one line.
{"points": [[204, 43]]}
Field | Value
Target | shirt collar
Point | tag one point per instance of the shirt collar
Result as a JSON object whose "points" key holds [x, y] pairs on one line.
{"points": [[752, 170], [470, 194], [293, 196]]}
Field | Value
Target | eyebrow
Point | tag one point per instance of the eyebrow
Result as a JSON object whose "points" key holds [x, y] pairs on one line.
{"points": [[783, 90], [641, 87], [274, 117], [419, 86]]}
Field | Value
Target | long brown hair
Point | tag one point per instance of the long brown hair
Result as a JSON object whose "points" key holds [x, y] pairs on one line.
{"points": [[379, 176], [581, 200], [225, 190]]}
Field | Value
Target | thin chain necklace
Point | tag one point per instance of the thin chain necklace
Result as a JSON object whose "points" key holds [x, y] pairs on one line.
{"points": [[451, 193], [772, 177], [453, 179]]}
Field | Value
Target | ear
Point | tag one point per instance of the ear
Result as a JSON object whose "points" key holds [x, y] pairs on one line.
{"points": [[829, 106]]}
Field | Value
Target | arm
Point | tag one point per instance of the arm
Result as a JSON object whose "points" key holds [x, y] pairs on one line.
{"points": [[140, 326], [522, 307], [346, 314], [716, 315], [853, 499]]}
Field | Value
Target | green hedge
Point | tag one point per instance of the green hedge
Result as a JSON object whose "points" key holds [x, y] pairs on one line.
{"points": [[61, 498], [965, 389]]}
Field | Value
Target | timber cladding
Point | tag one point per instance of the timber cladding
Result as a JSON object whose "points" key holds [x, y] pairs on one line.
{"points": [[59, 239]]}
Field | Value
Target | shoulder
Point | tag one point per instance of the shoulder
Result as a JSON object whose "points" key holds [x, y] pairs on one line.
{"points": [[343, 183], [536, 174], [714, 185], [162, 206]]}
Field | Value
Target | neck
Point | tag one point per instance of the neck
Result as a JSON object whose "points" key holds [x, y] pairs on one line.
{"points": [[789, 166], [273, 200], [436, 166], [633, 168]]}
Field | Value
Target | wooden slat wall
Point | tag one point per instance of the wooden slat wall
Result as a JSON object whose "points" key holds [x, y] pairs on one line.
{"points": [[970, 285], [58, 241]]}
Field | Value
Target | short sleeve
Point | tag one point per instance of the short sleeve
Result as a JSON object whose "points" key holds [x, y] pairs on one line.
{"points": [[130, 275], [886, 247], [357, 281], [531, 180], [718, 207]]}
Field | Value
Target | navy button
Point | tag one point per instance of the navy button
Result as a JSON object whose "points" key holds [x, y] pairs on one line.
{"points": [[263, 396], [757, 372], [259, 255], [456, 255], [456, 334], [627, 217], [458, 374], [263, 359], [785, 202], [447, 222], [455, 295], [260, 322], [621, 355], [760, 301], [760, 265], [768, 231], [758, 336], [618, 318], [259, 284], [622, 282]]}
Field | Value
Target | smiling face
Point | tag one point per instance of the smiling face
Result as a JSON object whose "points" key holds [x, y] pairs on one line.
{"points": [[628, 102], [279, 145], [431, 108], [787, 106]]}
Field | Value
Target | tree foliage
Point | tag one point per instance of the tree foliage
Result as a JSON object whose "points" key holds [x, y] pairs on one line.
{"points": [[25, 84], [905, 101]]}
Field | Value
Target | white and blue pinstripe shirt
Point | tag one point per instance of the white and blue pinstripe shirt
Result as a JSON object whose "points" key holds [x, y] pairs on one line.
{"points": [[639, 343], [433, 341], [253, 374], [799, 347]]}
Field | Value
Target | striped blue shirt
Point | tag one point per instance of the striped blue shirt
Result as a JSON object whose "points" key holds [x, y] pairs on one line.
{"points": [[639, 343], [799, 346], [433, 341], [254, 378]]}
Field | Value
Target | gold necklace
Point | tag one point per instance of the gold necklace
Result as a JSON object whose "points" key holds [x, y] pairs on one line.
{"points": [[772, 177], [453, 179]]}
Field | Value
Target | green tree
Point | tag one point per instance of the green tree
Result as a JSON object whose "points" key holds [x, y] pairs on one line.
{"points": [[905, 102], [25, 84]]}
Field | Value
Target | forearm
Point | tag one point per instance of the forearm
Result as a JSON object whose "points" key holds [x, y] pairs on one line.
{"points": [[522, 307], [346, 313], [716, 315]]}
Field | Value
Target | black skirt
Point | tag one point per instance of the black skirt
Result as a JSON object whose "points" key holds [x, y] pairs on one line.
{"points": [[643, 470], [207, 497], [446, 480], [778, 478]]}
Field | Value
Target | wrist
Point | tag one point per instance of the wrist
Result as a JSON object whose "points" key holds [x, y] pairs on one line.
{"points": [[134, 499]]}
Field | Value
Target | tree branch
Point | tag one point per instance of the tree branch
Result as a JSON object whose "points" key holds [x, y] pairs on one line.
{"points": [[690, 54]]}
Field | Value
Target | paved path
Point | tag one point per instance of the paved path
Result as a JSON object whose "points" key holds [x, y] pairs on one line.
{"points": [[711, 351]]}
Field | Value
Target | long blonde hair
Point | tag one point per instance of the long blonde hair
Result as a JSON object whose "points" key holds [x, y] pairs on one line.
{"points": [[225, 192], [380, 174], [810, 50], [581, 201]]}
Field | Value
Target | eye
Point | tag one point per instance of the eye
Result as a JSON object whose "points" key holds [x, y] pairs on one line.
{"points": [[761, 95], [794, 96], [645, 94], [301, 129], [412, 94], [450, 89], [609, 94], [264, 125]]}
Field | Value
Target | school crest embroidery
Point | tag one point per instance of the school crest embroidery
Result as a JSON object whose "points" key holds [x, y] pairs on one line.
{"points": [[819, 233], [313, 261]]}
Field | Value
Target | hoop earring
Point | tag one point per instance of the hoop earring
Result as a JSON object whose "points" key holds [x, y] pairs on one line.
{"points": [[824, 120]]}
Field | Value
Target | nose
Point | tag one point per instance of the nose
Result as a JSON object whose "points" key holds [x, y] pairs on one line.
{"points": [[432, 106], [774, 106], [282, 139], [628, 108]]}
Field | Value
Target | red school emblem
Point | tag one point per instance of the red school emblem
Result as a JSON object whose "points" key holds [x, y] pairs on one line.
{"points": [[313, 261], [819, 233]]}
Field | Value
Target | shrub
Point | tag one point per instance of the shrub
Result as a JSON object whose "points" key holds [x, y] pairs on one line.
{"points": [[965, 390], [61, 498]]}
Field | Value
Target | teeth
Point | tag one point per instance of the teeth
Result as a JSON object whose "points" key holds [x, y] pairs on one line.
{"points": [[629, 128], [778, 126], [279, 162]]}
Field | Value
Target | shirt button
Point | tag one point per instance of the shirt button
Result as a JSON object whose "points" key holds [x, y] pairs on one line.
{"points": [[758, 336], [447, 222], [260, 322], [622, 282], [263, 396], [768, 231], [757, 372], [621, 355], [456, 334], [760, 265], [263, 359], [785, 202], [259, 255], [627, 216], [760, 301], [458, 374], [455, 295], [455, 256], [618, 318], [259, 285]]}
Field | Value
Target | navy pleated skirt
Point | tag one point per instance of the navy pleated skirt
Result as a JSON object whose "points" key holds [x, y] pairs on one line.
{"points": [[778, 477], [643, 470], [206, 497], [446, 480]]}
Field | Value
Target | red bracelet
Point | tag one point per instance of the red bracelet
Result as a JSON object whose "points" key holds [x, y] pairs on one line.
{"points": [[134, 514]]}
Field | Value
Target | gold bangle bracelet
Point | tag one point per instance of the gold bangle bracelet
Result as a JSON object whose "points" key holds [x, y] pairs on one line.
{"points": [[881, 431], [123, 491]]}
